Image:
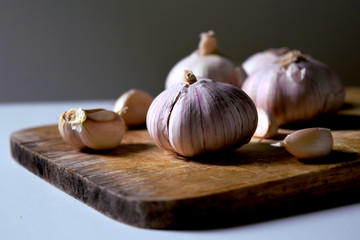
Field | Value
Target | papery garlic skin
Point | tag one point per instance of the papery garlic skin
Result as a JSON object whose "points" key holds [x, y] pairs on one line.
{"points": [[206, 116], [295, 88], [96, 129], [207, 62], [309, 143], [133, 106], [263, 59]]}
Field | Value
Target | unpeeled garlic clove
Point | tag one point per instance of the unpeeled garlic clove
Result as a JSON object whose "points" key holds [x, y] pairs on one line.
{"points": [[308, 143], [133, 106], [267, 126], [96, 129], [201, 115], [207, 62]]}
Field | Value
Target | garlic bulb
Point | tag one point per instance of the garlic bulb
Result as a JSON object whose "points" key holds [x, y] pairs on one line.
{"points": [[207, 62], [263, 59], [97, 129], [295, 88], [308, 143], [267, 126], [201, 116], [133, 106]]}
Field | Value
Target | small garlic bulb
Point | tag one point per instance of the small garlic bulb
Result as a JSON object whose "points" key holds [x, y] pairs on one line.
{"points": [[308, 143], [263, 59], [207, 62], [133, 106], [267, 126], [295, 88], [96, 129], [201, 115]]}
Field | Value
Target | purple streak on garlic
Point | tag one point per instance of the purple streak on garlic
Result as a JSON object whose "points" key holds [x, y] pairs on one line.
{"points": [[205, 116], [263, 59], [295, 88], [207, 62]]}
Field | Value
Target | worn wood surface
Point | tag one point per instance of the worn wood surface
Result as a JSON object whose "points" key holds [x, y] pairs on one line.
{"points": [[142, 185]]}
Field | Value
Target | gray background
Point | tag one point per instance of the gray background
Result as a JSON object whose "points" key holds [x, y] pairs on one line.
{"points": [[69, 50]]}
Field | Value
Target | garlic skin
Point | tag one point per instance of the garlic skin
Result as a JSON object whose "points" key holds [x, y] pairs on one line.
{"points": [[263, 59], [201, 116], [308, 143], [267, 126], [133, 106], [96, 129], [295, 88], [207, 62]]}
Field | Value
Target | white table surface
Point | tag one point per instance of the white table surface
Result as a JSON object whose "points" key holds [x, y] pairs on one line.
{"points": [[31, 208]]}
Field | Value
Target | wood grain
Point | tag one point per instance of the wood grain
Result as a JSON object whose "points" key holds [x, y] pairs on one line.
{"points": [[142, 185]]}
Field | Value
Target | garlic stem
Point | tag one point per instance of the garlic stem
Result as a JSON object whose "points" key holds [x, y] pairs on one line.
{"points": [[208, 43], [290, 57], [189, 77]]}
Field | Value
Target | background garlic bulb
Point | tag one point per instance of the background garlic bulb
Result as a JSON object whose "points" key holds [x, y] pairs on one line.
{"points": [[262, 59], [96, 129], [201, 116], [133, 106], [295, 88], [207, 62]]}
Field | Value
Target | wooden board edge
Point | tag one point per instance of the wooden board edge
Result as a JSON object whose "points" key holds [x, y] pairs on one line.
{"points": [[185, 213]]}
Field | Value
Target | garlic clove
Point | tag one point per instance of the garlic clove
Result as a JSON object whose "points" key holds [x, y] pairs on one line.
{"points": [[308, 143], [68, 126], [267, 126], [96, 129], [133, 106], [159, 113]]}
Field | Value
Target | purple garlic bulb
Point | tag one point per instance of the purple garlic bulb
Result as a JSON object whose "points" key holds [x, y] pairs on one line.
{"points": [[201, 115], [295, 87]]}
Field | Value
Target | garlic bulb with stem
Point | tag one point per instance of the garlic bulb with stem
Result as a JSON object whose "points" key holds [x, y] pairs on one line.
{"points": [[207, 62], [201, 115], [308, 143], [133, 106], [295, 88], [263, 59], [97, 129]]}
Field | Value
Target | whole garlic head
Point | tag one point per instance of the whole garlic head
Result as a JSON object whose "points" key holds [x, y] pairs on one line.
{"points": [[207, 62], [133, 106], [201, 115], [96, 129], [295, 88]]}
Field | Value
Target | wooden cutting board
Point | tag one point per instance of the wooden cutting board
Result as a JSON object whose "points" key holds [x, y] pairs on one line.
{"points": [[142, 185]]}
